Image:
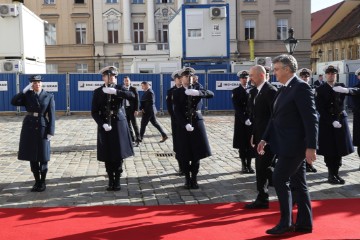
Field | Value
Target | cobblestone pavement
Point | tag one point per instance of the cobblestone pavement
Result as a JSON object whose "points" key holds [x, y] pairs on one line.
{"points": [[76, 178]]}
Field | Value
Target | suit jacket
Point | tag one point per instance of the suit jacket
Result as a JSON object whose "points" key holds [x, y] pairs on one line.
{"points": [[261, 109], [294, 124], [35, 128], [169, 102], [134, 103], [147, 102]]}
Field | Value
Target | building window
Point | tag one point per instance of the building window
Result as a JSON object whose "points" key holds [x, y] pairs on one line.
{"points": [[250, 29], [138, 1], [111, 1], [115, 64], [343, 54], [358, 52], [330, 55], [79, 1], [163, 37], [113, 33], [48, 2], [249, 0], [282, 29], [190, 1], [163, 1], [81, 68], [336, 57], [350, 55], [194, 33], [51, 68], [50, 34], [80, 33], [139, 36]]}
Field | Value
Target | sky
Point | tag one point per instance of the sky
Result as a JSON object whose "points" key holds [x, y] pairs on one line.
{"points": [[317, 5]]}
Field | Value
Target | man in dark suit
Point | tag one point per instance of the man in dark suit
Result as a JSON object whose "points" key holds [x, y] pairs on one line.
{"points": [[113, 136], [319, 82], [242, 123], [191, 132], [334, 133], [170, 107], [148, 109], [261, 98], [131, 110], [356, 111], [37, 129], [292, 135]]}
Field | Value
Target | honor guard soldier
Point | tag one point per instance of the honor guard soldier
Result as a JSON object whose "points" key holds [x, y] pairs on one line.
{"points": [[305, 74], [242, 123], [190, 125], [334, 134], [170, 107], [37, 129], [356, 117], [113, 137]]}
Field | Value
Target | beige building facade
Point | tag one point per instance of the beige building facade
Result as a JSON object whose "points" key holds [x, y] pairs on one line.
{"points": [[85, 35]]}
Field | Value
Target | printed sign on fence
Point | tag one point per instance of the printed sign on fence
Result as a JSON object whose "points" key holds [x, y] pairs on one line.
{"points": [[226, 85], [89, 85], [3, 86], [50, 86]]}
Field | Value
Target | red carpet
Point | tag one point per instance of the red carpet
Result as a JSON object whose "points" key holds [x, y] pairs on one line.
{"points": [[333, 219]]}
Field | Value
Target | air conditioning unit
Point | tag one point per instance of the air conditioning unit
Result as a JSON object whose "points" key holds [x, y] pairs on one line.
{"points": [[217, 12], [10, 66], [9, 10], [263, 61]]}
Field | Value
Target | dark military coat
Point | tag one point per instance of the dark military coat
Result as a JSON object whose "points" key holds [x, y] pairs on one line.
{"points": [[192, 145], [170, 108], [333, 142], [242, 133], [356, 120], [37, 124], [115, 144]]}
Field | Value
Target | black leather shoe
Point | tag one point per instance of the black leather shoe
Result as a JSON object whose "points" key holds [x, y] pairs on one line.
{"points": [[277, 230], [311, 169], [35, 187], [41, 187], [303, 229], [333, 180], [257, 205], [163, 139], [251, 170]]}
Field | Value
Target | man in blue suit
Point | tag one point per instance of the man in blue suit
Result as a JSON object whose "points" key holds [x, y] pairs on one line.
{"points": [[292, 135]]}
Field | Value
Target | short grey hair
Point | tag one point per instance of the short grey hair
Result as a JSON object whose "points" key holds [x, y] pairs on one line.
{"points": [[287, 60]]}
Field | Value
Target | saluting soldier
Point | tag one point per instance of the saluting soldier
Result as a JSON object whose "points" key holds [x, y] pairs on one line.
{"points": [[190, 125], [114, 142], [305, 74], [170, 107], [242, 123], [37, 129], [334, 134]]}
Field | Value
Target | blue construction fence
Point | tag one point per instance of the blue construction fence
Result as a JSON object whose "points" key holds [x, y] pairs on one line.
{"points": [[73, 92]]}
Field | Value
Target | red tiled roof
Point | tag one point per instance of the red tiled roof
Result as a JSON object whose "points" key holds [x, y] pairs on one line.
{"points": [[320, 17], [347, 28]]}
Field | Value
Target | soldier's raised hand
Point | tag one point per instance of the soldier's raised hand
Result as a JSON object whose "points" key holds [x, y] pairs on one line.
{"points": [[27, 88], [192, 92], [248, 122], [109, 90], [189, 128], [341, 89]]}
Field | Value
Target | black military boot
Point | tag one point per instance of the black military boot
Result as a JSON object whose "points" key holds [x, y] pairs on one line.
{"points": [[248, 165], [37, 182], [187, 184], [193, 182], [244, 168], [331, 177], [336, 175], [111, 181], [42, 185], [117, 186]]}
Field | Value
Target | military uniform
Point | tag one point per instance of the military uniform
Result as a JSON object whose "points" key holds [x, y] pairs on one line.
{"points": [[114, 142], [356, 117], [37, 129], [242, 131], [191, 130], [334, 134]]}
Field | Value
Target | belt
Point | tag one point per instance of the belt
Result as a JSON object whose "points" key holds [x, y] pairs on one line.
{"points": [[34, 114]]}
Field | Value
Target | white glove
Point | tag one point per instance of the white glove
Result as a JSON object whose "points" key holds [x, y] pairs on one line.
{"points": [[109, 90], [49, 137], [192, 92], [341, 89], [27, 88], [107, 127], [336, 124], [189, 128], [247, 122]]}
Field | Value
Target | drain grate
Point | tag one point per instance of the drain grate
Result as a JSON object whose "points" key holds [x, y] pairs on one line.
{"points": [[164, 154]]}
